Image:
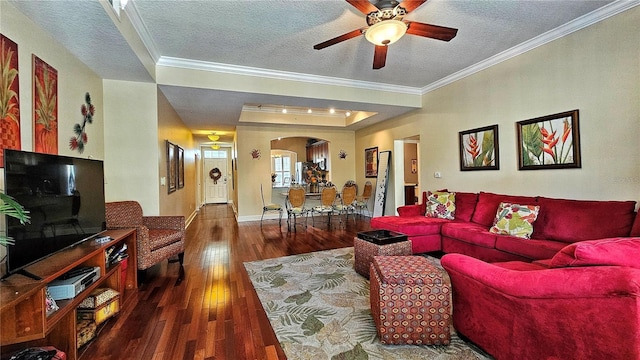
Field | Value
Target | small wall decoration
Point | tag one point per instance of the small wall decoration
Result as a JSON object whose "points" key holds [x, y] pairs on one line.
{"points": [[549, 142], [371, 162], [79, 140], [479, 149], [255, 154], [414, 166], [180, 153], [45, 107], [381, 183], [9, 97], [342, 154], [172, 167], [215, 175]]}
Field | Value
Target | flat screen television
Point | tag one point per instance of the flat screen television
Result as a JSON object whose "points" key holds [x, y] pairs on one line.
{"points": [[65, 198]]}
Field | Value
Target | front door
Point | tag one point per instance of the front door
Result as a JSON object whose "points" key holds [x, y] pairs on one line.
{"points": [[215, 188]]}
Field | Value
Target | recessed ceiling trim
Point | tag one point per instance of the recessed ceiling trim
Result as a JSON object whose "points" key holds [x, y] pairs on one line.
{"points": [[283, 75], [582, 22]]}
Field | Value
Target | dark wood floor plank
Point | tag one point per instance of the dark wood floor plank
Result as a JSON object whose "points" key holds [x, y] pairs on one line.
{"points": [[215, 312]]}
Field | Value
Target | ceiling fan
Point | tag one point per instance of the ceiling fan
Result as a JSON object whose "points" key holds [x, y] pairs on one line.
{"points": [[386, 26]]}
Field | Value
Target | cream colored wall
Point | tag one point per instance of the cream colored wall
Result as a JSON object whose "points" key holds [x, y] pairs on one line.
{"points": [[410, 152], [170, 127], [253, 172], [74, 80], [131, 143], [595, 70]]}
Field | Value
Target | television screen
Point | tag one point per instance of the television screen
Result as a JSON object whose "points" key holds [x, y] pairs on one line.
{"points": [[65, 198]]}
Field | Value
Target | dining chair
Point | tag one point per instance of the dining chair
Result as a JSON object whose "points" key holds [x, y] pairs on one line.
{"points": [[362, 201], [347, 201], [270, 207], [327, 200], [295, 206]]}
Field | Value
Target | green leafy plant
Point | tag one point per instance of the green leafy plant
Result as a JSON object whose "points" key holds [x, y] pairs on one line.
{"points": [[10, 207]]}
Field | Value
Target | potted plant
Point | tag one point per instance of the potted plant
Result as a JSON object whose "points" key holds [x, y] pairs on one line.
{"points": [[10, 207]]}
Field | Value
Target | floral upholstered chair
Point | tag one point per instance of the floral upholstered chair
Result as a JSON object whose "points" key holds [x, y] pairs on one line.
{"points": [[158, 237]]}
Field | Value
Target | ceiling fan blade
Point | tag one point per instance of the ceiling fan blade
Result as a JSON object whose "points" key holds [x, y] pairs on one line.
{"points": [[338, 39], [364, 6], [431, 31], [411, 5], [380, 56]]}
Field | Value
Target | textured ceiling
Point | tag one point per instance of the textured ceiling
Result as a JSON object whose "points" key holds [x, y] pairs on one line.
{"points": [[277, 36]]}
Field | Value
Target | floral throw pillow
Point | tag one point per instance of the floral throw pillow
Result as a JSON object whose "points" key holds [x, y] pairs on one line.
{"points": [[515, 220], [441, 204]]}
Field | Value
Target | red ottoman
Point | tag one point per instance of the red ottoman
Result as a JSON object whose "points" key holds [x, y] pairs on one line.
{"points": [[410, 301]]}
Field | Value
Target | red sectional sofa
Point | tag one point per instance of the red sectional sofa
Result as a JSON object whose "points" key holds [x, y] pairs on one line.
{"points": [[560, 222], [572, 291]]}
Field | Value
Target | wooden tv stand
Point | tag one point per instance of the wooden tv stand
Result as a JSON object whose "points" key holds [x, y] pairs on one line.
{"points": [[23, 319]]}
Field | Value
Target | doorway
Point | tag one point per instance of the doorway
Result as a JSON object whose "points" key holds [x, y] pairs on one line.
{"points": [[215, 176]]}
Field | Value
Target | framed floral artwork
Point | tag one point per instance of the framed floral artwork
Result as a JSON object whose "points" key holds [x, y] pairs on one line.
{"points": [[45, 107], [371, 162], [549, 142], [9, 99], [479, 149], [172, 167]]}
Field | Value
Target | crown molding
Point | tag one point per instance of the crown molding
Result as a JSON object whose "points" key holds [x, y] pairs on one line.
{"points": [[582, 22], [141, 29], [282, 75]]}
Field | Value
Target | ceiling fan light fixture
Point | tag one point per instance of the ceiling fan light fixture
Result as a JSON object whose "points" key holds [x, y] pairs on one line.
{"points": [[385, 32]]}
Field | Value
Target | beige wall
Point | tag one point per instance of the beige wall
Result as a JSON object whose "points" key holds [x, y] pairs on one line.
{"points": [[74, 80], [253, 172], [595, 70], [170, 127], [410, 152], [131, 143]]}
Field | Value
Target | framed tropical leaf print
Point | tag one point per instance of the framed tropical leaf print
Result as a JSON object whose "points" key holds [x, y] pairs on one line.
{"points": [[549, 142], [479, 149]]}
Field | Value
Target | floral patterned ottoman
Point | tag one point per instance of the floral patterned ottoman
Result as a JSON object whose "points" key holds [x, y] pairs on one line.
{"points": [[410, 301], [364, 251]]}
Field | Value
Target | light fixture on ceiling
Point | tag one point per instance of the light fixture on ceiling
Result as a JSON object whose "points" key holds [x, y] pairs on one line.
{"points": [[347, 114], [332, 111], [284, 109], [215, 146], [309, 111], [213, 137], [385, 32]]}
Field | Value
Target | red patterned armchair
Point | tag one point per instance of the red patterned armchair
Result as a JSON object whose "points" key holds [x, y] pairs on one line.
{"points": [[158, 237]]}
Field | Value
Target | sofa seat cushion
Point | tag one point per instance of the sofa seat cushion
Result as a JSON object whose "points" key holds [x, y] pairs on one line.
{"points": [[409, 226], [470, 233], [613, 251], [485, 211], [576, 220], [531, 248], [163, 237]]}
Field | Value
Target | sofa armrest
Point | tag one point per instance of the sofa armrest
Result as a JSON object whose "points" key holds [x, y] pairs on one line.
{"points": [[410, 210], [164, 222], [559, 283]]}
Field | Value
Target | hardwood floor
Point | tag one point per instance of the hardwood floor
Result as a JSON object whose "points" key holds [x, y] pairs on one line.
{"points": [[214, 313]]}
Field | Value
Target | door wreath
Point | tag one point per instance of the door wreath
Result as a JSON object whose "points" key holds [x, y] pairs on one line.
{"points": [[215, 174]]}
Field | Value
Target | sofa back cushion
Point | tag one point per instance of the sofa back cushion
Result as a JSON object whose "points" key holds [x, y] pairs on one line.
{"points": [[613, 251], [577, 220], [487, 206], [635, 230], [465, 204]]}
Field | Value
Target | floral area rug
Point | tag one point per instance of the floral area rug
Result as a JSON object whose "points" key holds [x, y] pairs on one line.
{"points": [[319, 308]]}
